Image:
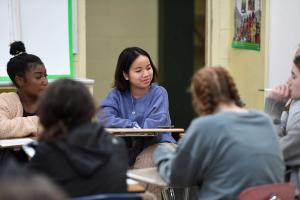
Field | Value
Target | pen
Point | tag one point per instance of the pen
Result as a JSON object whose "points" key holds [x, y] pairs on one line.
{"points": [[265, 90]]}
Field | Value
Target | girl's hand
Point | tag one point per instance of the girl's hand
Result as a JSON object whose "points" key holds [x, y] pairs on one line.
{"points": [[280, 93], [136, 125]]}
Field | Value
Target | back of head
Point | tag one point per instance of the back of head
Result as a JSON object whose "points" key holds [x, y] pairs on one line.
{"points": [[211, 86], [125, 60], [21, 62], [64, 105]]}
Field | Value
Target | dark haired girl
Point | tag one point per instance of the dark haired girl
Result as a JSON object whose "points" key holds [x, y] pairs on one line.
{"points": [[18, 109], [136, 102], [75, 153]]}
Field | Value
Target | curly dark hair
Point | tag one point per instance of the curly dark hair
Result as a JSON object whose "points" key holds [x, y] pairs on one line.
{"points": [[21, 62], [211, 86]]}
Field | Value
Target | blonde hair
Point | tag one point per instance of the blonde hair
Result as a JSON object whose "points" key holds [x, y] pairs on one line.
{"points": [[211, 86]]}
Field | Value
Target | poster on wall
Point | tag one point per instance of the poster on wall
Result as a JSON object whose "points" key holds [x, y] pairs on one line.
{"points": [[247, 21]]}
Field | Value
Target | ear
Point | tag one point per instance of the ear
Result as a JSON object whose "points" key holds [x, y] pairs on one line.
{"points": [[126, 76], [19, 81]]}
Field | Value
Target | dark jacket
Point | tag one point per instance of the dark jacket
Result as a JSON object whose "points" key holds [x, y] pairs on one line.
{"points": [[88, 161]]}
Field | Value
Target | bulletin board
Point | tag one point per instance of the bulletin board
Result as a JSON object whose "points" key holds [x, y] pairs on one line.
{"points": [[45, 27]]}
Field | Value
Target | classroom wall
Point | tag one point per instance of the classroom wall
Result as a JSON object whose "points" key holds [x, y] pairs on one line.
{"points": [[199, 33], [248, 67], [17, 21], [284, 39], [111, 26], [80, 55]]}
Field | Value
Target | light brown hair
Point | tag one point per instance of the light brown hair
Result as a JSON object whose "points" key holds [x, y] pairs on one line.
{"points": [[211, 86]]}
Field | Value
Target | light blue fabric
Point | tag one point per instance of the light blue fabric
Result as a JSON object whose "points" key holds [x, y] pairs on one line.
{"points": [[121, 110], [223, 154]]}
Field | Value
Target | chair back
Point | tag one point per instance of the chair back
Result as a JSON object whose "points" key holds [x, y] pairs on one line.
{"points": [[275, 191]]}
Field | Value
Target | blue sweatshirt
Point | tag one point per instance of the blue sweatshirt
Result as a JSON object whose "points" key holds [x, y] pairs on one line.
{"points": [[122, 110]]}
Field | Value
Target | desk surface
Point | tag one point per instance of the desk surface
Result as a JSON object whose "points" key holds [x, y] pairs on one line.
{"points": [[146, 175], [143, 131], [18, 142], [134, 186]]}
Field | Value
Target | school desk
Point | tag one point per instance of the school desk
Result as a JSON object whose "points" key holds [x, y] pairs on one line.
{"points": [[143, 132], [151, 176]]}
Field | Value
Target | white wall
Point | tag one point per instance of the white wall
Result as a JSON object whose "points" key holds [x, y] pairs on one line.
{"points": [[43, 26], [111, 26], [284, 37]]}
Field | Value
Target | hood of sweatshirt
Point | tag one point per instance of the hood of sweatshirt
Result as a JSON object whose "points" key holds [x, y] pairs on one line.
{"points": [[87, 147]]}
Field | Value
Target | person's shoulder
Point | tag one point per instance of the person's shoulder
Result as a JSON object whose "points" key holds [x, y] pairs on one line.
{"points": [[295, 105], [114, 93], [201, 127], [294, 109], [259, 115], [217, 121], [203, 121], [9, 97], [155, 88]]}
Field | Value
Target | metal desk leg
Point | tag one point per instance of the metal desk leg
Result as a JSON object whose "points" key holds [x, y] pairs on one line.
{"points": [[169, 194]]}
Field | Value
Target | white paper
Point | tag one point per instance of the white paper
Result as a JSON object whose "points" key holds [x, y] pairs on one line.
{"points": [[15, 142]]}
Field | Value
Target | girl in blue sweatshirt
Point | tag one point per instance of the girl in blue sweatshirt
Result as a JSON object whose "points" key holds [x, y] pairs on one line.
{"points": [[135, 102]]}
